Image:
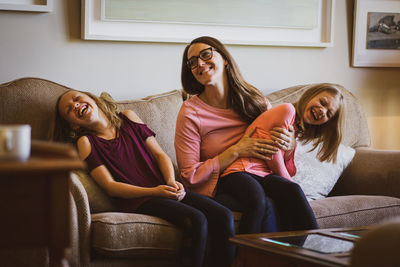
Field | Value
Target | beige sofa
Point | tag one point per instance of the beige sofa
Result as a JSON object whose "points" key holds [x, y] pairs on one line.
{"points": [[366, 193]]}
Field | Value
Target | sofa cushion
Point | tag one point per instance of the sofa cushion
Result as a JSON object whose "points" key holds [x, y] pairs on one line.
{"points": [[159, 112], [134, 235], [317, 178], [354, 210]]}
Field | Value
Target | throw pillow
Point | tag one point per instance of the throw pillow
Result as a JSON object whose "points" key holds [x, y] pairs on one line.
{"points": [[318, 178]]}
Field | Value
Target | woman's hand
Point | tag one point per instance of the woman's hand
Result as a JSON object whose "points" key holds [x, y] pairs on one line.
{"points": [[249, 147], [284, 139], [255, 147]]}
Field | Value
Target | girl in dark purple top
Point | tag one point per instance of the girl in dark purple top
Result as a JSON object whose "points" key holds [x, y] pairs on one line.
{"points": [[127, 162]]}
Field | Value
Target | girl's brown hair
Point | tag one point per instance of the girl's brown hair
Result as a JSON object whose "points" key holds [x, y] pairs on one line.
{"points": [[243, 98], [62, 129], [328, 134]]}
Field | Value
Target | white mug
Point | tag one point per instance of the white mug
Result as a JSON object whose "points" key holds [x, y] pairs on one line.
{"points": [[15, 142]]}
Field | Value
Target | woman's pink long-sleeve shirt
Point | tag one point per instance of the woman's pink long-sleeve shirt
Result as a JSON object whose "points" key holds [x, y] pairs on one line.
{"points": [[280, 116], [202, 133]]}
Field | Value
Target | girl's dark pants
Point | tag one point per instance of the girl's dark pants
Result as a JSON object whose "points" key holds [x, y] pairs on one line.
{"points": [[199, 217]]}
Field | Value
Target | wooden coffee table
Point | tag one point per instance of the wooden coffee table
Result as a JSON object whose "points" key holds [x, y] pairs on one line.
{"points": [[286, 249]]}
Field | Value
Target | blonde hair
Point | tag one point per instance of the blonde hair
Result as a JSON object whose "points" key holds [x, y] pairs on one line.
{"points": [[328, 134], [62, 129]]}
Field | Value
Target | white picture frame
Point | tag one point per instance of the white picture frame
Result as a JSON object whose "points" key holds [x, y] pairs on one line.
{"points": [[96, 28], [27, 5], [363, 55]]}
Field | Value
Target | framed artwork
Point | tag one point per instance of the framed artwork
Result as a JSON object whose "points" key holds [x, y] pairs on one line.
{"points": [[27, 5], [242, 22], [376, 35]]}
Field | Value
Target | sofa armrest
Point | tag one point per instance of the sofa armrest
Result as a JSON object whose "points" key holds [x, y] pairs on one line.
{"points": [[371, 172], [83, 216]]}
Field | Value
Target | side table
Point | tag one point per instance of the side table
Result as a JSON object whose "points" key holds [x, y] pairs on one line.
{"points": [[34, 200]]}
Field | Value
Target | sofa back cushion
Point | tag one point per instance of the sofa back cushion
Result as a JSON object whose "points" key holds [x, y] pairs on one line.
{"points": [[355, 129], [159, 112], [30, 101]]}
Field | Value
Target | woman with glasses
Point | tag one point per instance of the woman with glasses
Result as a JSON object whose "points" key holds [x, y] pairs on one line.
{"points": [[210, 136]]}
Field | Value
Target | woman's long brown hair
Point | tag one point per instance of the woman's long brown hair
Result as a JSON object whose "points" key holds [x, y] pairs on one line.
{"points": [[243, 98]]}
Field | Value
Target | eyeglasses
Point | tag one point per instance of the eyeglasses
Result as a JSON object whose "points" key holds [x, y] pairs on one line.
{"points": [[205, 54]]}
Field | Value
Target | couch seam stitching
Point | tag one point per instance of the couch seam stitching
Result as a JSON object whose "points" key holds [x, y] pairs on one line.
{"points": [[122, 223], [361, 210]]}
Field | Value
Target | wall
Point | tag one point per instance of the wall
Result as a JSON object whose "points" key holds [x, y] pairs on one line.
{"points": [[48, 45]]}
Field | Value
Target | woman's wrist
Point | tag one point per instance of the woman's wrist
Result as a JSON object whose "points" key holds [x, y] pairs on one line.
{"points": [[227, 157], [234, 152]]}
